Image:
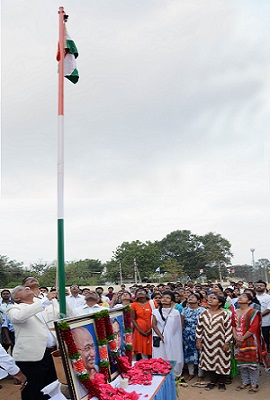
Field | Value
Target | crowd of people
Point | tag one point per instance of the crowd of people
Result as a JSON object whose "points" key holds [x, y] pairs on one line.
{"points": [[211, 330]]}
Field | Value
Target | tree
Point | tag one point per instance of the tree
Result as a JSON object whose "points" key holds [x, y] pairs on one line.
{"points": [[11, 272], [112, 271], [145, 255], [216, 253], [244, 272], [186, 249], [49, 276], [84, 272], [172, 269], [195, 252], [264, 268], [39, 268]]}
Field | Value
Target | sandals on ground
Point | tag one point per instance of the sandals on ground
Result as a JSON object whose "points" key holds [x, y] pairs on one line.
{"points": [[221, 387], [210, 386], [201, 384], [181, 382], [242, 387], [254, 389]]}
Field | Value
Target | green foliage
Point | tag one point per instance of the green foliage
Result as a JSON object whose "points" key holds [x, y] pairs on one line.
{"points": [[48, 278], [84, 272], [111, 271], [195, 252], [249, 274], [10, 271], [145, 255], [186, 249], [173, 270], [180, 254], [244, 272]]}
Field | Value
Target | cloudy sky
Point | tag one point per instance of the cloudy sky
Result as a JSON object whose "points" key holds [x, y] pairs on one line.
{"points": [[168, 127]]}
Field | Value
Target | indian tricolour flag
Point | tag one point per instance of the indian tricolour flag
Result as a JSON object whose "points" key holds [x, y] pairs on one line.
{"points": [[71, 53]]}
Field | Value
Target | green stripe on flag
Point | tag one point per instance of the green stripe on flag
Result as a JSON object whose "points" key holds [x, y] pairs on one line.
{"points": [[71, 46], [74, 77]]}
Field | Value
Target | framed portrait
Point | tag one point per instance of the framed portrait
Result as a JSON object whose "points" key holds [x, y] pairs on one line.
{"points": [[84, 335], [116, 318], [85, 338]]}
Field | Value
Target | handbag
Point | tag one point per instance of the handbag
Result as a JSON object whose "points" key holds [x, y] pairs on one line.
{"points": [[157, 339]]}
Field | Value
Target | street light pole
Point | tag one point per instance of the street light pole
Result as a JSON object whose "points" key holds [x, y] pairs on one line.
{"points": [[253, 261], [252, 255]]}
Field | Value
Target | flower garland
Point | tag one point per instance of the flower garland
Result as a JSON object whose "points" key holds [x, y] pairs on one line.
{"points": [[106, 338], [140, 373], [102, 341], [97, 386], [128, 332]]}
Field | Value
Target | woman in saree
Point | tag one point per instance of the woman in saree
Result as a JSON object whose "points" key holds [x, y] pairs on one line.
{"points": [[249, 346]]}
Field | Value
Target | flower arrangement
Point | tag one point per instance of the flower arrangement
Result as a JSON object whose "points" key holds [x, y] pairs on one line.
{"points": [[142, 372], [100, 319], [128, 332], [106, 338], [97, 386]]}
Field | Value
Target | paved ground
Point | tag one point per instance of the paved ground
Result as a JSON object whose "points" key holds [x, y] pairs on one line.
{"points": [[11, 392]]}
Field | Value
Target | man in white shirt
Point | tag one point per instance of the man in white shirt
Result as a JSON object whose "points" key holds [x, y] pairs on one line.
{"points": [[75, 299], [9, 365], [5, 300], [7, 329], [33, 342], [264, 299], [90, 307]]}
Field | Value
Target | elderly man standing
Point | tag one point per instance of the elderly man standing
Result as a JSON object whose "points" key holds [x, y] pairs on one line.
{"points": [[33, 342]]}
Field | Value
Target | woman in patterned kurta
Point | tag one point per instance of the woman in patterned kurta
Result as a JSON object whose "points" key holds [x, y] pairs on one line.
{"points": [[141, 315], [213, 338], [190, 316]]}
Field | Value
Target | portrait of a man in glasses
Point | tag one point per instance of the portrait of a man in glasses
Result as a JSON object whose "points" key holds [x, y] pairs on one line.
{"points": [[117, 326], [86, 347]]}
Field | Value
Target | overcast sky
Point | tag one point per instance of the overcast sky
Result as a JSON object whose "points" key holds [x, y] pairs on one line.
{"points": [[168, 127]]}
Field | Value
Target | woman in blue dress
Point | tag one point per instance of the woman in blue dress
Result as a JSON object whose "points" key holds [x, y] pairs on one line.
{"points": [[190, 316]]}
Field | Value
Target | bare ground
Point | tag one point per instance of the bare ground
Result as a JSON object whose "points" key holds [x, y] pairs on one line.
{"points": [[11, 392]]}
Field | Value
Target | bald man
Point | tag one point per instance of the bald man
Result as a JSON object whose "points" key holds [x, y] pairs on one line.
{"points": [[86, 347]]}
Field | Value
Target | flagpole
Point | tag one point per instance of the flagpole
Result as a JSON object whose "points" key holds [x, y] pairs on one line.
{"points": [[60, 168]]}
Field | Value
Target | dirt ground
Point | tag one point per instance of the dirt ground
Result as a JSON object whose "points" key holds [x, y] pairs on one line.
{"points": [[11, 392]]}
